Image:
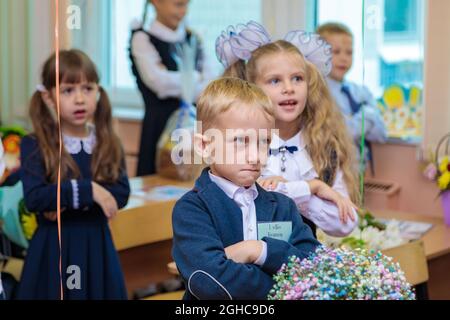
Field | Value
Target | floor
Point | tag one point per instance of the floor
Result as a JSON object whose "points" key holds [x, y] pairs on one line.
{"points": [[146, 265]]}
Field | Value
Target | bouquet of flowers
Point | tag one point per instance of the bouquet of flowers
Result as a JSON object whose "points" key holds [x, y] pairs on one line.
{"points": [[16, 222], [370, 234], [340, 274], [439, 171], [11, 137], [443, 175], [175, 152]]}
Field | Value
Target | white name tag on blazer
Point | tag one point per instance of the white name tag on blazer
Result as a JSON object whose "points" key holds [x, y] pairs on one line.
{"points": [[277, 230]]}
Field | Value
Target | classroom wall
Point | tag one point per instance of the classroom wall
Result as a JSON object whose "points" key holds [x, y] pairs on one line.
{"points": [[14, 61], [26, 40], [399, 163], [129, 131], [437, 72]]}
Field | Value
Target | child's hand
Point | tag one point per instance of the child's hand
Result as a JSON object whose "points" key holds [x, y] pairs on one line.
{"points": [[245, 251], [271, 183], [345, 205], [50, 215], [53, 215], [105, 200]]}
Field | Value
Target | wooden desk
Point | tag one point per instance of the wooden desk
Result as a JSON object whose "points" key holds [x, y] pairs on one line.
{"points": [[141, 221], [436, 240], [142, 233], [437, 250]]}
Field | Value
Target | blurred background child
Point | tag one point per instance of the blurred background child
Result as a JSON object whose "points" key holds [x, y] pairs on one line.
{"points": [[158, 79], [351, 97]]}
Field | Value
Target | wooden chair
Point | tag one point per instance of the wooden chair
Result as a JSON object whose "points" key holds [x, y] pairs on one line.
{"points": [[172, 267], [176, 295], [144, 222], [413, 262]]}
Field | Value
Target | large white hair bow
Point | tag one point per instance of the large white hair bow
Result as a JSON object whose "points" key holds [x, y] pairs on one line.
{"points": [[238, 43]]}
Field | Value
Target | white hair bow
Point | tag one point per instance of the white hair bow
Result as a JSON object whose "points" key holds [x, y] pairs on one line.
{"points": [[238, 43]]}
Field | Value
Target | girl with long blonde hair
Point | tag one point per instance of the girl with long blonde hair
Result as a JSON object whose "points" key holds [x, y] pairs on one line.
{"points": [[312, 160]]}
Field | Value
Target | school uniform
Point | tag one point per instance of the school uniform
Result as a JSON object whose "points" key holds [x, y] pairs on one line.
{"points": [[298, 168], [159, 82], [352, 98], [88, 252], [217, 214]]}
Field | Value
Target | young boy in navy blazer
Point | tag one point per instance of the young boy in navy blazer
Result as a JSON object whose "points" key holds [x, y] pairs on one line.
{"points": [[230, 235]]}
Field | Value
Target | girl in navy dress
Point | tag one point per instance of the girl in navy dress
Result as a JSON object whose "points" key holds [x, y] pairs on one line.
{"points": [[94, 185]]}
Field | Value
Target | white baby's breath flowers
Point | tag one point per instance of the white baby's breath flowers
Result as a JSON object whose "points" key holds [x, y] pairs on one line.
{"points": [[368, 237]]}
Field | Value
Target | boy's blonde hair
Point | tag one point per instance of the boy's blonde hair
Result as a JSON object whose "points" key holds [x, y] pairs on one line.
{"points": [[223, 94], [331, 28]]}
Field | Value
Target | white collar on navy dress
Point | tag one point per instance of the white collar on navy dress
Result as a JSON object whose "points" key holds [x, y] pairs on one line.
{"points": [[73, 145], [231, 189], [166, 34]]}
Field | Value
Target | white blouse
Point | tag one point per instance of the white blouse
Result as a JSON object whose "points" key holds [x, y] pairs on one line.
{"points": [[298, 170], [154, 74], [245, 199]]}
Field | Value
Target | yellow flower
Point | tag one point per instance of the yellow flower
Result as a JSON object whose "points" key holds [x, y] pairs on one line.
{"points": [[29, 226], [444, 180], [444, 164]]}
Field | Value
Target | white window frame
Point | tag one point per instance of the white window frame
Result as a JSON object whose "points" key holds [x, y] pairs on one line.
{"points": [[277, 15], [406, 36]]}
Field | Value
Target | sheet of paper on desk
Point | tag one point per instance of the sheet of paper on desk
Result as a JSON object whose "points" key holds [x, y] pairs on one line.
{"points": [[161, 193], [412, 230]]}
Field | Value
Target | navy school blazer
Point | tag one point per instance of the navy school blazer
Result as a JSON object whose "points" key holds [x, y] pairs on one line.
{"points": [[206, 221]]}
